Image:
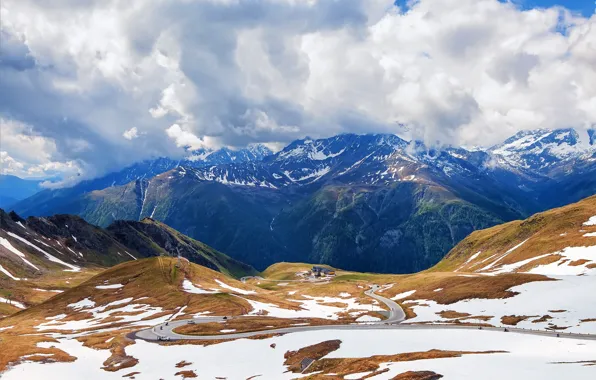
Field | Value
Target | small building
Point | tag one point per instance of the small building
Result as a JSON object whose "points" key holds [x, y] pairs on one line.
{"points": [[305, 363], [320, 271]]}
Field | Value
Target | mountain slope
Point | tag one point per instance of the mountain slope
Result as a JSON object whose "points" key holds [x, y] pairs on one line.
{"points": [[14, 189], [40, 257], [151, 238], [559, 240], [362, 202]]}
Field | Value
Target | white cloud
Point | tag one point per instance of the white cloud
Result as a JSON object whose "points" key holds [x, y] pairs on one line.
{"points": [[188, 140], [213, 73], [26, 154], [9, 165], [131, 134]]}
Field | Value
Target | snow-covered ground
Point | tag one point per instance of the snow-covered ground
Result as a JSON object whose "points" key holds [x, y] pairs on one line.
{"points": [[136, 314], [235, 290], [189, 287], [13, 303], [112, 286], [527, 357], [313, 307], [573, 294], [566, 266]]}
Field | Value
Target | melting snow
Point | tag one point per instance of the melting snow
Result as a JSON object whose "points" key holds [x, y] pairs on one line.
{"points": [[403, 295], [6, 244], [83, 304], [113, 286], [13, 303], [46, 290], [591, 221], [469, 260], [54, 259], [502, 256], [6, 272], [368, 318], [189, 287], [527, 356], [569, 293], [235, 290], [569, 255]]}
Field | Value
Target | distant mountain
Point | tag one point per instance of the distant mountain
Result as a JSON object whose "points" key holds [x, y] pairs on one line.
{"points": [[49, 202], [362, 202], [14, 189]]}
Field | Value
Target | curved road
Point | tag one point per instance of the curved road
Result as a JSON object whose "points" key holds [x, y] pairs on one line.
{"points": [[165, 331]]}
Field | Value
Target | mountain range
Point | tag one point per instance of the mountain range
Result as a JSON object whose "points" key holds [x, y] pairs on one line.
{"points": [[360, 202], [14, 189]]}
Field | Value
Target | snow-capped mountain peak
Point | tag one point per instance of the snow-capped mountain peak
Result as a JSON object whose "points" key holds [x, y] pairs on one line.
{"points": [[541, 149]]}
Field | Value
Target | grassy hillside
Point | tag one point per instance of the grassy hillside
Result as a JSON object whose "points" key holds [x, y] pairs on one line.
{"points": [[151, 238], [543, 233]]}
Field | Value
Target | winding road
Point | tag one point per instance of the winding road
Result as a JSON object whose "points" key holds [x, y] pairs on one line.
{"points": [[165, 331]]}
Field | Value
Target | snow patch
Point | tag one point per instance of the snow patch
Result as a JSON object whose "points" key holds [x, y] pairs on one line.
{"points": [[235, 290], [54, 259], [403, 295], [189, 287], [112, 286]]}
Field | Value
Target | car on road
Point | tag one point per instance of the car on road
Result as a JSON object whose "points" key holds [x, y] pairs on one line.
{"points": [[191, 322], [164, 338]]}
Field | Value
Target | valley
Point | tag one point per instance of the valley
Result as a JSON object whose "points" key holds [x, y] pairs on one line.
{"points": [[511, 299]]}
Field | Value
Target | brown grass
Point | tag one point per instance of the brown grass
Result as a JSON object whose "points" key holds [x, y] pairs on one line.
{"points": [[544, 318], [457, 288], [186, 374], [513, 320], [578, 262], [183, 363], [315, 352], [543, 231], [418, 375], [14, 345], [453, 314]]}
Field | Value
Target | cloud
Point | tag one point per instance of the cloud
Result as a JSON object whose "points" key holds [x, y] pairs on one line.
{"points": [[217, 73], [186, 139], [131, 134], [32, 155]]}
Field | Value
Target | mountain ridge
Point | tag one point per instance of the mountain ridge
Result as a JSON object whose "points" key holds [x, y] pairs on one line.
{"points": [[381, 194]]}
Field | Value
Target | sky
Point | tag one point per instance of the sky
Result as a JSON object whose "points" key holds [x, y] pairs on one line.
{"points": [[91, 86]]}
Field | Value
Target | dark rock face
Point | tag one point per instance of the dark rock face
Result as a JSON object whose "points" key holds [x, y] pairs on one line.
{"points": [[74, 241]]}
